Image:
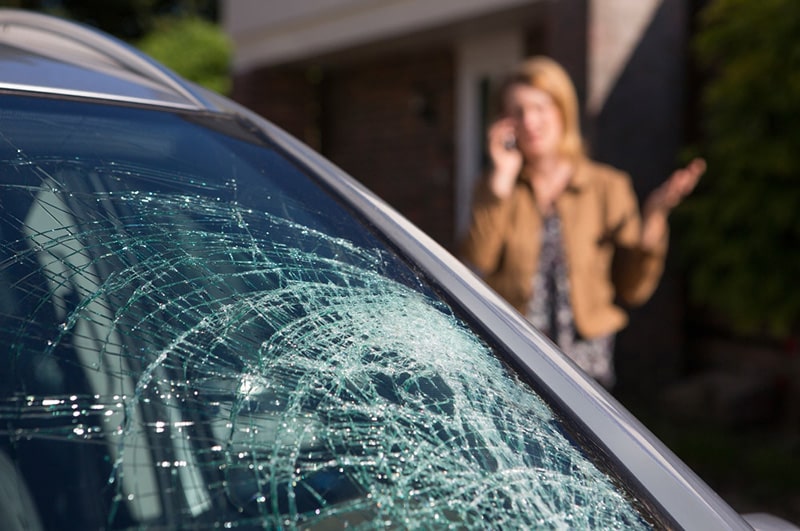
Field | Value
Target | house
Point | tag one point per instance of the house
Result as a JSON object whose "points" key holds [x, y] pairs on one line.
{"points": [[398, 92]]}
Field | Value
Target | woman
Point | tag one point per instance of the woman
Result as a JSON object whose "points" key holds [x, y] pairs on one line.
{"points": [[559, 235]]}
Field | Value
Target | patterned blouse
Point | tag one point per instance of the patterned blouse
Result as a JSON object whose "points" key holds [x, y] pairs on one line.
{"points": [[550, 310]]}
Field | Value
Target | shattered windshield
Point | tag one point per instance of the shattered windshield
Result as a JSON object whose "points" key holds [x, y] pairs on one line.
{"points": [[197, 334]]}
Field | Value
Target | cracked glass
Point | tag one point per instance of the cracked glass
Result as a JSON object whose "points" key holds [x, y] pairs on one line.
{"points": [[196, 333]]}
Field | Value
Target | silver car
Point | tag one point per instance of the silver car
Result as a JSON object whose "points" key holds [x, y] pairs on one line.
{"points": [[206, 325]]}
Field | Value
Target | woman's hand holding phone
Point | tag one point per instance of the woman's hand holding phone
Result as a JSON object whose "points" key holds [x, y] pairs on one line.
{"points": [[505, 157]]}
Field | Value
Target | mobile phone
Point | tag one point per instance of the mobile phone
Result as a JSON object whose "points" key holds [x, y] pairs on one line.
{"points": [[510, 143]]}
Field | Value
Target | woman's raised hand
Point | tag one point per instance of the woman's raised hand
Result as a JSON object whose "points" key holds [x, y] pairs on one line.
{"points": [[666, 197], [676, 187]]}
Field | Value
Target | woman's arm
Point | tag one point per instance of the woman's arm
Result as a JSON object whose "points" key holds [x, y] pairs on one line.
{"points": [[489, 217], [638, 265], [489, 220]]}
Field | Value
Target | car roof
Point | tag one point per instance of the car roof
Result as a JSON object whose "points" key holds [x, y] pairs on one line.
{"points": [[44, 54]]}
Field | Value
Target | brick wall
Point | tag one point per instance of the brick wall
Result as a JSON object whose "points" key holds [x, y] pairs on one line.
{"points": [[286, 96], [388, 122]]}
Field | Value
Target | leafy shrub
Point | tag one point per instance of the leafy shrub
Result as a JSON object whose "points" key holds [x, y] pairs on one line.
{"points": [[740, 231], [194, 48]]}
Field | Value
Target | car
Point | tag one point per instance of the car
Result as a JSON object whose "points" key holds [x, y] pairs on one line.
{"points": [[206, 325]]}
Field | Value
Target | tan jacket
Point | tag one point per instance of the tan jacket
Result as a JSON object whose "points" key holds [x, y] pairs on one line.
{"points": [[601, 228]]}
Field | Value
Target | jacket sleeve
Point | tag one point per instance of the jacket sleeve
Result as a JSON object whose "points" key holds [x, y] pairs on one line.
{"points": [[635, 272], [482, 247]]}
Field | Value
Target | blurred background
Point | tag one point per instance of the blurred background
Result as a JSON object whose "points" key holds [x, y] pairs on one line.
{"points": [[398, 94]]}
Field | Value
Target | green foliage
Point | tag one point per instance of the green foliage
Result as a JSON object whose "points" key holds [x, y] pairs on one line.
{"points": [[129, 20], [194, 48], [741, 230], [181, 34]]}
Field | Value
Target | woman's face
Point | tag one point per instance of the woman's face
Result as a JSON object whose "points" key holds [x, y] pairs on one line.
{"points": [[538, 124]]}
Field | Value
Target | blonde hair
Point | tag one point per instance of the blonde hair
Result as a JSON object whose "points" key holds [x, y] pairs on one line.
{"points": [[545, 74]]}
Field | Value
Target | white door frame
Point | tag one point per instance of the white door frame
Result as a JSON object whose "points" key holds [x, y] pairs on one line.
{"points": [[478, 57]]}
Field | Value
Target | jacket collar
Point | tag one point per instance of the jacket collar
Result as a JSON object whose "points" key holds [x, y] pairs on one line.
{"points": [[581, 176]]}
